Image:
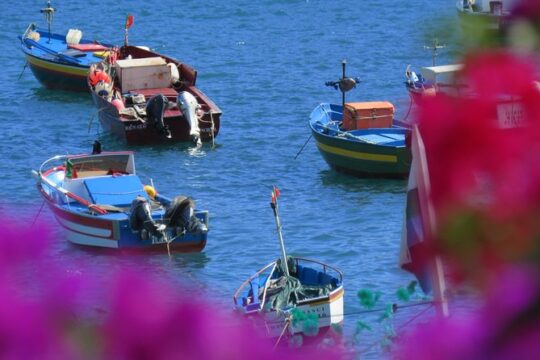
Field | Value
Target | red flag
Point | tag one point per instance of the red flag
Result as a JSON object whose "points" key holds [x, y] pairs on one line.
{"points": [[129, 21], [275, 194]]}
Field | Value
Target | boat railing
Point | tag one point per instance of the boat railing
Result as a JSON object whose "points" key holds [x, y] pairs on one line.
{"points": [[252, 277], [54, 158], [325, 267]]}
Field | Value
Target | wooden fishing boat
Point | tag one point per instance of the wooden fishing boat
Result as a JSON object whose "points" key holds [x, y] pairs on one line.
{"points": [[292, 295], [360, 138], [100, 201], [486, 14], [144, 97], [60, 61]]}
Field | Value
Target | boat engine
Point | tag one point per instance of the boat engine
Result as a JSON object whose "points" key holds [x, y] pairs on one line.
{"points": [[140, 219], [155, 108], [189, 106], [180, 215]]}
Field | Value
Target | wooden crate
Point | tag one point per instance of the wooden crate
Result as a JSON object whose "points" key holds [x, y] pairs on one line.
{"points": [[145, 73], [366, 115]]}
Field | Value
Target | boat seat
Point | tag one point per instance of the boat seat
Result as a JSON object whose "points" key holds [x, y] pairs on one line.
{"points": [[118, 191], [73, 53], [308, 276]]}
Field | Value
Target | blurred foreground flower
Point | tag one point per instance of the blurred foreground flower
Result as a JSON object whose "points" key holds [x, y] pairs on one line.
{"points": [[482, 149], [507, 325], [45, 313]]}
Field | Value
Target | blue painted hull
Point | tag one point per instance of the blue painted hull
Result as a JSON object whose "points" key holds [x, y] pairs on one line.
{"points": [[52, 67]]}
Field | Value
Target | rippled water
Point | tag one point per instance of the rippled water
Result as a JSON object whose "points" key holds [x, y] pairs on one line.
{"points": [[264, 63]]}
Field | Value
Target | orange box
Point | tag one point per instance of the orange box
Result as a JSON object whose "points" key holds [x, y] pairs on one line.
{"points": [[365, 115]]}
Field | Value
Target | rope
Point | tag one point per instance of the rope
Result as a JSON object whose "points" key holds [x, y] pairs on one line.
{"points": [[287, 322], [408, 111], [372, 345], [303, 146], [38, 213]]}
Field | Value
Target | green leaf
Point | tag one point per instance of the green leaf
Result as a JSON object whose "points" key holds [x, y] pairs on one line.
{"points": [[367, 298]]}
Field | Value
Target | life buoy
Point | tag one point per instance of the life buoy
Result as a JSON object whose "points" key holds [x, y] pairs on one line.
{"points": [[98, 75]]}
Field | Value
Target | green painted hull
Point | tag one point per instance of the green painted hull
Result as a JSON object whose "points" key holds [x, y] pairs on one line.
{"points": [[363, 159], [375, 152]]}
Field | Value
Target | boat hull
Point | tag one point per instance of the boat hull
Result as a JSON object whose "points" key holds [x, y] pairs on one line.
{"points": [[100, 232], [363, 159], [139, 132], [329, 312], [54, 75]]}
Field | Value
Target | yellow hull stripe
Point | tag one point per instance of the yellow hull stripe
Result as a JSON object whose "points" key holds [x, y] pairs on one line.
{"points": [[335, 297], [59, 68], [358, 155]]}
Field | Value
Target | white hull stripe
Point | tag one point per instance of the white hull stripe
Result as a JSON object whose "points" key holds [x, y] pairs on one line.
{"points": [[90, 241], [88, 230]]}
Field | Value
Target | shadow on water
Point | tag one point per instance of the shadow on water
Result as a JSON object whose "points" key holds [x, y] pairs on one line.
{"points": [[331, 178], [61, 96]]}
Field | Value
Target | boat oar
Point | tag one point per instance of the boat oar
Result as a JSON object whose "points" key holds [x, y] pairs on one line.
{"points": [[69, 194], [274, 206], [69, 59]]}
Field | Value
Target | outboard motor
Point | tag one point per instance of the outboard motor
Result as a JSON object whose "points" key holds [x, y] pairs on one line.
{"points": [[180, 214], [189, 106], [140, 218], [155, 108]]}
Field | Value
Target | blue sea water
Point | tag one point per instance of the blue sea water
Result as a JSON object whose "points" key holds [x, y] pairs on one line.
{"points": [[265, 64]]}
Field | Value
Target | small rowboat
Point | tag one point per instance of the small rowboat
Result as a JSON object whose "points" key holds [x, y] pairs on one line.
{"points": [[101, 202], [360, 138], [60, 61], [292, 295]]}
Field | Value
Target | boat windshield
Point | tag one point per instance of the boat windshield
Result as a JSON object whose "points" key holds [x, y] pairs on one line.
{"points": [[102, 165]]}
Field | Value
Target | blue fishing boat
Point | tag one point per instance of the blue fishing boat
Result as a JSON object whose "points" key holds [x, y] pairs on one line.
{"points": [[60, 61], [360, 138], [100, 201], [291, 295]]}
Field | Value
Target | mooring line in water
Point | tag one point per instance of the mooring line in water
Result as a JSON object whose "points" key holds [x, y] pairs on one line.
{"points": [[38, 213], [303, 146], [24, 68]]}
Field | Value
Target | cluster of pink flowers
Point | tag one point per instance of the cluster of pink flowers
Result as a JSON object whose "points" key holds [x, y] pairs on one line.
{"points": [[483, 151], [47, 311]]}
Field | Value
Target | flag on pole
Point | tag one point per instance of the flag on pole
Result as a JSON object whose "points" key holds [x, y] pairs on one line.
{"points": [[418, 218], [71, 173], [275, 195], [129, 21]]}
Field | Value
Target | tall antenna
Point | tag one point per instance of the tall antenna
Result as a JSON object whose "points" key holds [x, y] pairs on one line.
{"points": [[49, 14], [434, 47]]}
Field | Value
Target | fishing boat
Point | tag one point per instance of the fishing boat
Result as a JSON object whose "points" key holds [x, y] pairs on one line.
{"points": [[360, 138], [101, 202], [291, 295], [144, 97], [432, 80], [487, 14], [60, 61]]}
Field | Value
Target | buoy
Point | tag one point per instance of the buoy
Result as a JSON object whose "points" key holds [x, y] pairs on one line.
{"points": [[150, 191], [175, 75], [118, 104], [98, 75], [103, 89]]}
